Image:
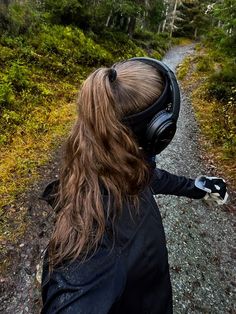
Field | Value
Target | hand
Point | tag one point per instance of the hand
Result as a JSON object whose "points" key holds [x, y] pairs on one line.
{"points": [[215, 187]]}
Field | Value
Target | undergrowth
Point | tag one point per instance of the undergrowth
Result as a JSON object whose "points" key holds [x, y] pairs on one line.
{"points": [[210, 77]]}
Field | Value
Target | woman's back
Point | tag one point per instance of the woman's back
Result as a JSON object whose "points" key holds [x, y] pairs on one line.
{"points": [[128, 273]]}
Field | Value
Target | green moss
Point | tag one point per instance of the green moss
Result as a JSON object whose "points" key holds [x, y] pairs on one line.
{"points": [[183, 68]]}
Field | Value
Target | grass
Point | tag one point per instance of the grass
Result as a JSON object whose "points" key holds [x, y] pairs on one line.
{"points": [[182, 41]]}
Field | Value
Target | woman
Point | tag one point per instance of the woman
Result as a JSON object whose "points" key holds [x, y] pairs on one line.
{"points": [[107, 252]]}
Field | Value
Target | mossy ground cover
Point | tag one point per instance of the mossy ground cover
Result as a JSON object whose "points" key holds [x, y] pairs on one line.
{"points": [[39, 80], [28, 147], [214, 102]]}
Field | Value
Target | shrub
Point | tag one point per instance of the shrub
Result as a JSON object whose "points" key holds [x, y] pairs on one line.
{"points": [[224, 125], [155, 44], [63, 12], [119, 45], [71, 45], [204, 64], [18, 75], [221, 91], [220, 41], [11, 117], [12, 41], [143, 35], [6, 54], [6, 94], [221, 82], [20, 17], [183, 68]]}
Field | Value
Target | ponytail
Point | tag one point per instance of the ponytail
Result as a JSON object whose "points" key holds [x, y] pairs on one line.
{"points": [[101, 156]]}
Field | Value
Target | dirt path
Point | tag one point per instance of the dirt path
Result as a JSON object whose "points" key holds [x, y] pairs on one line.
{"points": [[201, 239]]}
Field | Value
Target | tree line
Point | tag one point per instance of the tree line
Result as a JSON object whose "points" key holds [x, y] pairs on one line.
{"points": [[191, 18]]}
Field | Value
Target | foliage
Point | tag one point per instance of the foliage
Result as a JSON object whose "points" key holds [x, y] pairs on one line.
{"points": [[220, 90], [63, 11], [214, 100], [216, 62], [18, 76], [221, 83], [222, 35], [183, 68], [225, 13], [71, 45], [152, 42], [19, 17], [155, 15], [220, 42], [119, 45], [62, 51], [6, 94], [204, 63], [193, 20], [29, 149], [121, 15]]}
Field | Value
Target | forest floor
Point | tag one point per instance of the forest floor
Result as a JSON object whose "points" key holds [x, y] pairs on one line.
{"points": [[200, 237]]}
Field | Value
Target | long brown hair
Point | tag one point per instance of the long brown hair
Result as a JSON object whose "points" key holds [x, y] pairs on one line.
{"points": [[101, 154]]}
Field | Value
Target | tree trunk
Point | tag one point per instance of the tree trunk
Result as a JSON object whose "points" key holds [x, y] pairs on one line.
{"points": [[131, 26], [165, 20], [163, 25], [125, 24], [108, 19], [6, 2], [173, 18]]}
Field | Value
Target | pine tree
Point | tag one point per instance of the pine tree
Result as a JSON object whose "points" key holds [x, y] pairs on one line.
{"points": [[194, 20]]}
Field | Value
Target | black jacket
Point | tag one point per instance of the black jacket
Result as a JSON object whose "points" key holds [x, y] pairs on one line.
{"points": [[130, 278]]}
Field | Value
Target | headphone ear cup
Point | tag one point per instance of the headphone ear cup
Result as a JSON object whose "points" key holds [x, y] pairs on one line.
{"points": [[160, 132]]}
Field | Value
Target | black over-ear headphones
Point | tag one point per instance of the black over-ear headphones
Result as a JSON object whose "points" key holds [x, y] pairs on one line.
{"points": [[155, 126]]}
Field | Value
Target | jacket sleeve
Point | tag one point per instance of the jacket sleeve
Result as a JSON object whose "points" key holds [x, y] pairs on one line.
{"points": [[163, 182], [90, 287]]}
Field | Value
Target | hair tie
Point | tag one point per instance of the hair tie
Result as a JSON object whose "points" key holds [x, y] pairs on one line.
{"points": [[112, 74]]}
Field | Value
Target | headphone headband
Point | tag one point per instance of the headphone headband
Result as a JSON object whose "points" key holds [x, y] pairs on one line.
{"points": [[155, 126], [171, 89]]}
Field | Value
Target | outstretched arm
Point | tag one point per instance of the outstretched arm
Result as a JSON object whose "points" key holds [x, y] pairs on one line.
{"points": [[163, 182]]}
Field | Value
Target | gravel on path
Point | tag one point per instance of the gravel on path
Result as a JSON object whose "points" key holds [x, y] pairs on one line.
{"points": [[200, 238]]}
